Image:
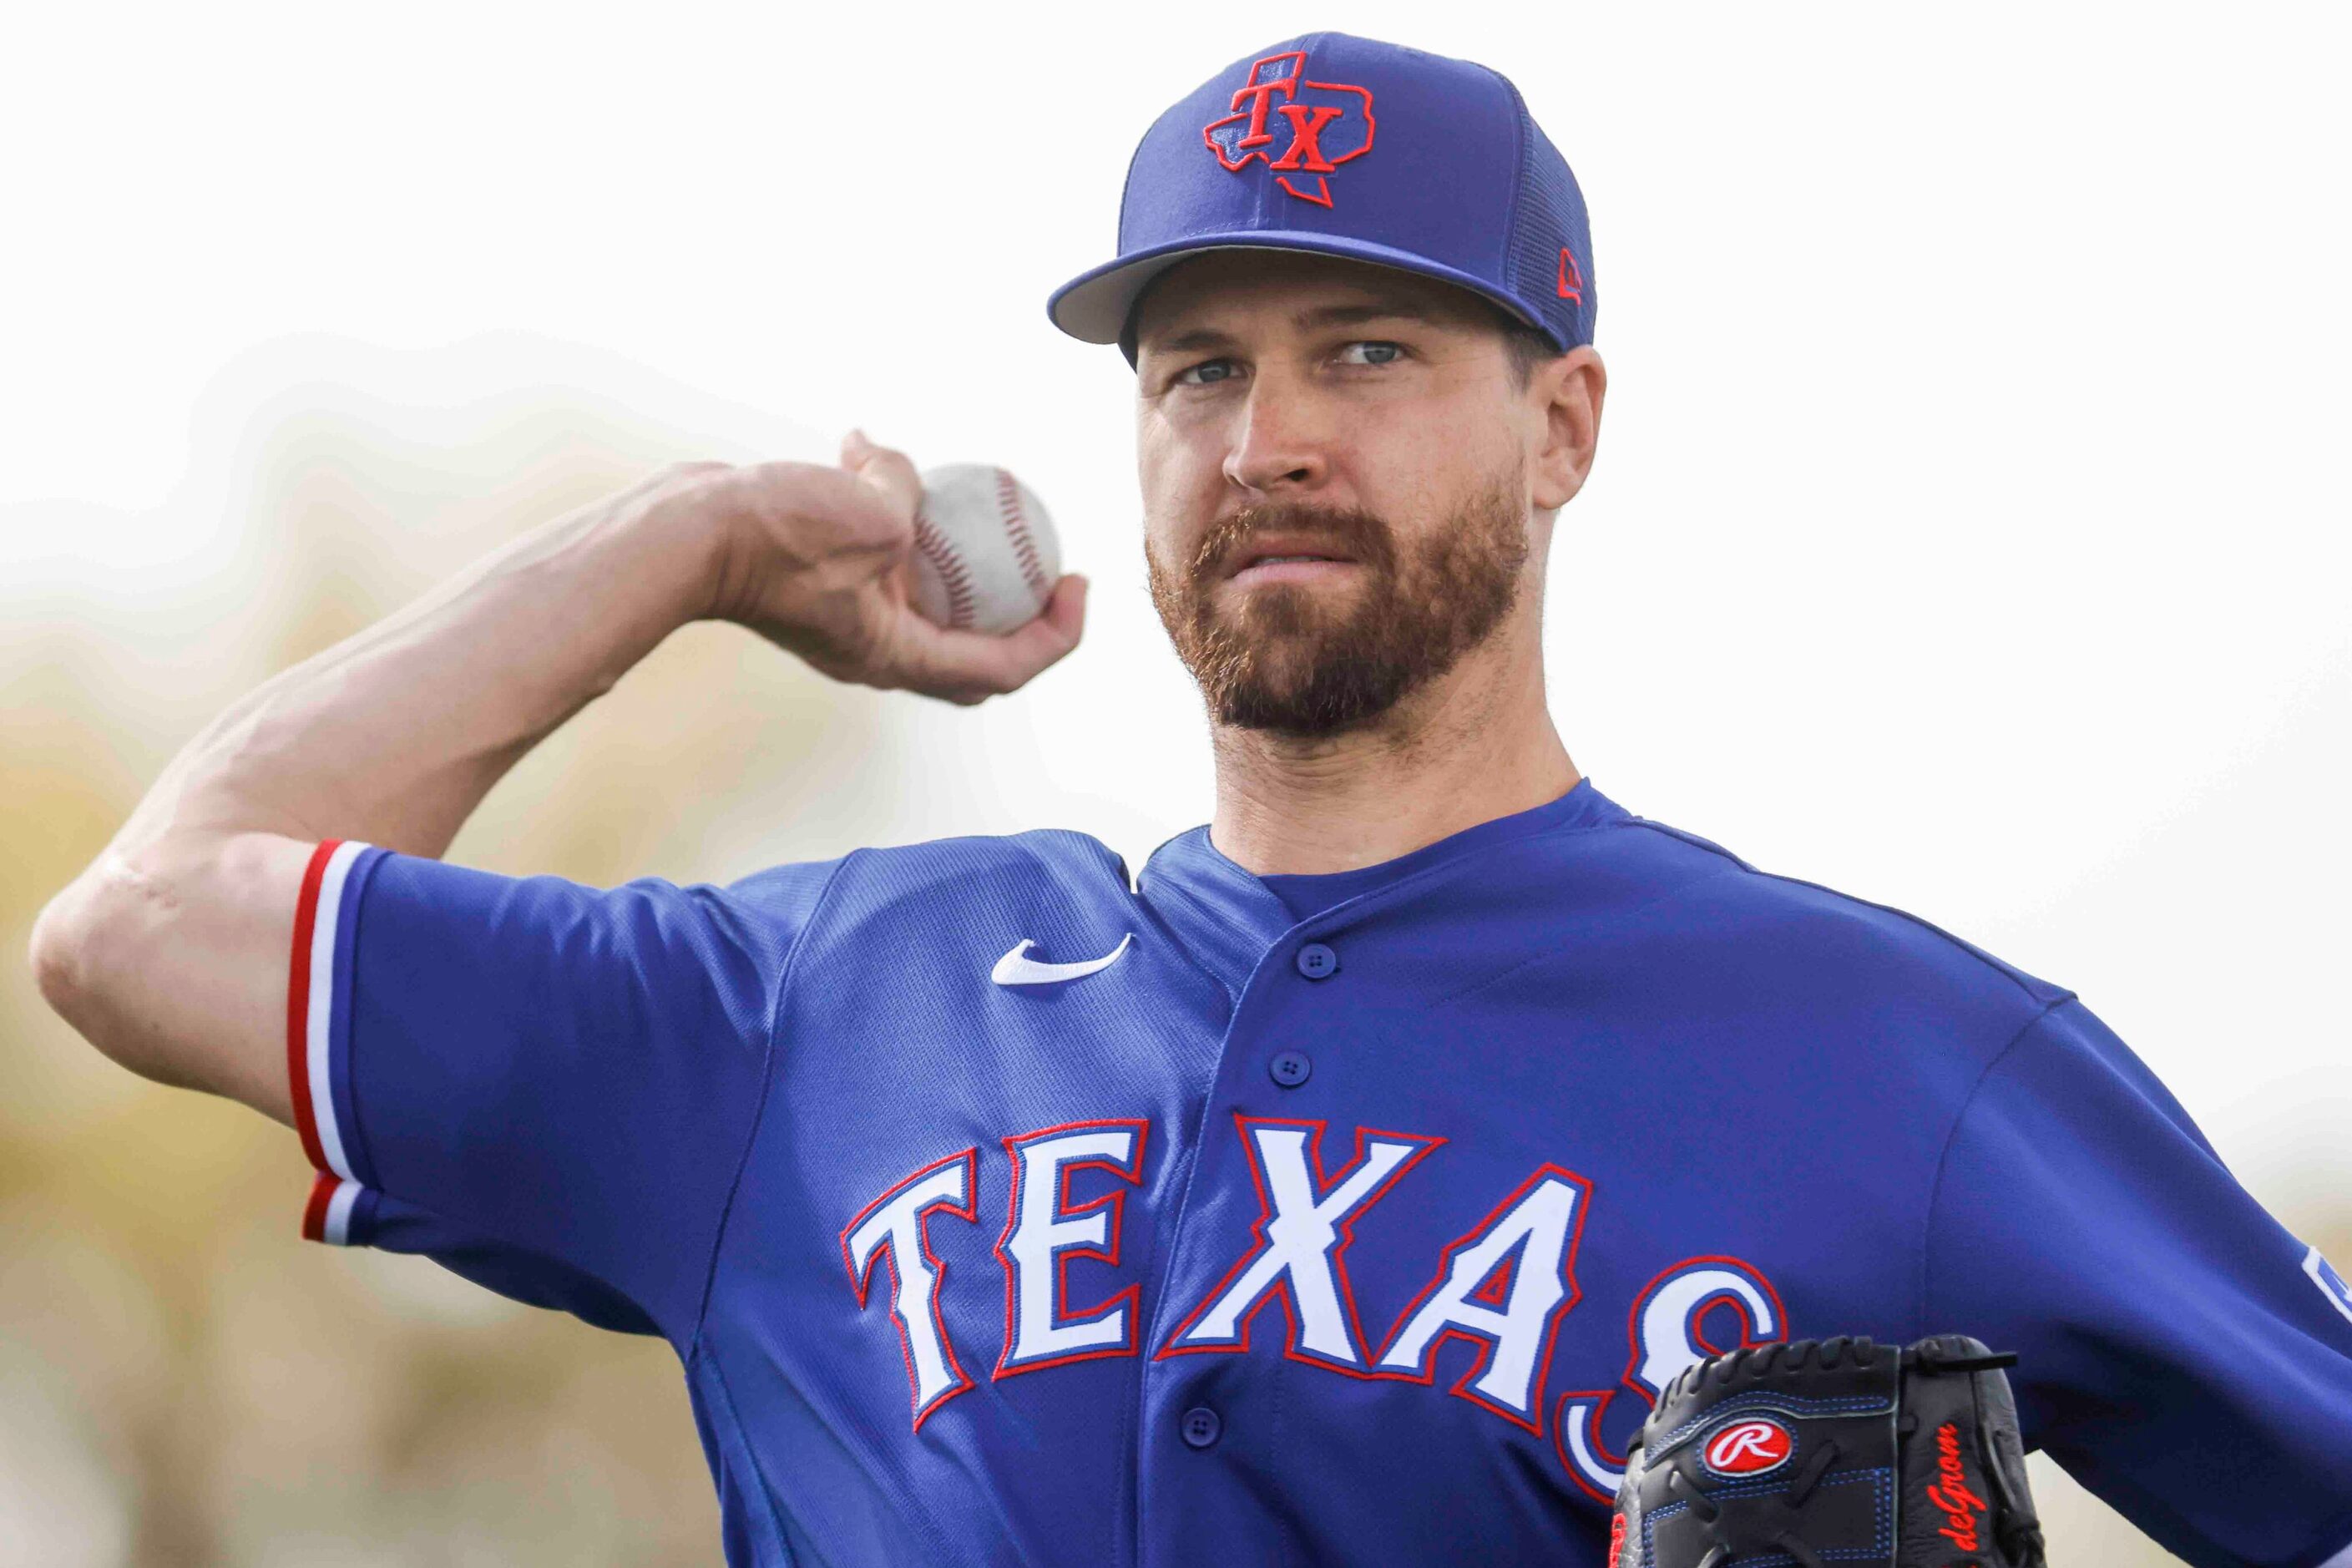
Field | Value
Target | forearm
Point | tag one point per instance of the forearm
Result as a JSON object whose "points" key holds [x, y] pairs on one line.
{"points": [[395, 735], [169, 953]]}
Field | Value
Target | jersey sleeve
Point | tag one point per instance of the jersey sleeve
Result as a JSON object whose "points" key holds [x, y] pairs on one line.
{"points": [[2181, 1354], [547, 1086]]}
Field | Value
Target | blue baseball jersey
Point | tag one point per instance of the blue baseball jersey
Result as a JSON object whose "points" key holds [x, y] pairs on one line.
{"points": [[1003, 1207]]}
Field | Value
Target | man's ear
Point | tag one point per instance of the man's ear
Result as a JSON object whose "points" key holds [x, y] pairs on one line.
{"points": [[1567, 393]]}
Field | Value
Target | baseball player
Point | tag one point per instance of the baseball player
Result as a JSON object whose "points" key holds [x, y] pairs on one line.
{"points": [[1345, 1183]]}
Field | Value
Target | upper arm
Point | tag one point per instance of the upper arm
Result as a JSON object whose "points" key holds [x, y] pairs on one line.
{"points": [[572, 1075], [173, 961], [549, 1086], [2176, 1353]]}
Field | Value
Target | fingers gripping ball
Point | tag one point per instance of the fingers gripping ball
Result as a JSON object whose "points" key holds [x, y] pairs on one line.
{"points": [[1832, 1452], [985, 557]]}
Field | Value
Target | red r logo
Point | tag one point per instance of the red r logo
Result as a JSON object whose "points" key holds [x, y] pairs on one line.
{"points": [[1749, 1447], [1321, 135]]}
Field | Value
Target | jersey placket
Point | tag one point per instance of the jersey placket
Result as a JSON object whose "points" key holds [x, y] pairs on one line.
{"points": [[1271, 1139], [1233, 927], [1208, 1403]]}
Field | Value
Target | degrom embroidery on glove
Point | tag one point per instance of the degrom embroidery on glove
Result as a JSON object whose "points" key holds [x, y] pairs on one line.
{"points": [[1961, 1507]]}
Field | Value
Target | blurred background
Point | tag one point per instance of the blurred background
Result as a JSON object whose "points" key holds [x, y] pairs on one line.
{"points": [[1968, 533]]}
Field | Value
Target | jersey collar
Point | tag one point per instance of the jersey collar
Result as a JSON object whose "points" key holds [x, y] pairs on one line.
{"points": [[1228, 917]]}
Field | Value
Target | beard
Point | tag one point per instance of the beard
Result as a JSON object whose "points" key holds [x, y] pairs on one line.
{"points": [[1280, 659]]}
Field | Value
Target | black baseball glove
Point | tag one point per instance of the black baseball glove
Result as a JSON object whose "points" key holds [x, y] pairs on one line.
{"points": [[1834, 1453]]}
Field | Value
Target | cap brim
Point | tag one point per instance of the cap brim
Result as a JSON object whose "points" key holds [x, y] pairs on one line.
{"points": [[1093, 307]]}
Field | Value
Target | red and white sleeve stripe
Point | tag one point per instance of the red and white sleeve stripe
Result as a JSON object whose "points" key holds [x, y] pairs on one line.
{"points": [[327, 1216], [309, 1016]]}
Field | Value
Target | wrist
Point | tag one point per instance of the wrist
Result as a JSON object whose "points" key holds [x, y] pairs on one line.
{"points": [[691, 536]]}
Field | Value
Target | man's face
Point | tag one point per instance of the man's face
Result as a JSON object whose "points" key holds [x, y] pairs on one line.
{"points": [[1334, 479]]}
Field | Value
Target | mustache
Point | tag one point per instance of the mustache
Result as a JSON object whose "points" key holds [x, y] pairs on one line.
{"points": [[1360, 534]]}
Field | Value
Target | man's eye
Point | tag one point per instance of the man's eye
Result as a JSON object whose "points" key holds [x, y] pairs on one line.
{"points": [[1381, 350]]}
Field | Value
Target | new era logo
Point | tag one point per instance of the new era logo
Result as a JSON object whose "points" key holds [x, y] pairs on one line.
{"points": [[1292, 126], [1571, 279]]}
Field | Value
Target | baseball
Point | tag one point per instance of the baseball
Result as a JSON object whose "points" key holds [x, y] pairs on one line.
{"points": [[985, 556]]}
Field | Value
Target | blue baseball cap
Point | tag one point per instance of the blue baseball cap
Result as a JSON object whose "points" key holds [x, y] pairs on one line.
{"points": [[1351, 147]]}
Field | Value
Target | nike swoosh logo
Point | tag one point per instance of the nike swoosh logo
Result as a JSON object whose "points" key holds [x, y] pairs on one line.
{"points": [[1017, 968]]}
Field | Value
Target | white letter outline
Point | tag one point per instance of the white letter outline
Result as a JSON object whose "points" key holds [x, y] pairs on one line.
{"points": [[1533, 1234], [882, 1230], [1044, 1231], [1298, 1246]]}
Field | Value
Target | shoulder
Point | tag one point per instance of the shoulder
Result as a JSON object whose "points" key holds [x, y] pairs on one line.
{"points": [[941, 876], [1770, 932]]}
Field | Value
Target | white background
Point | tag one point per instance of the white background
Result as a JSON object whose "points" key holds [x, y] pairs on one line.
{"points": [[1968, 530]]}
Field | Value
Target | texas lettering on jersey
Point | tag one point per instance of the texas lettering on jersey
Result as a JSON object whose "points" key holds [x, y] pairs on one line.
{"points": [[1501, 1288]]}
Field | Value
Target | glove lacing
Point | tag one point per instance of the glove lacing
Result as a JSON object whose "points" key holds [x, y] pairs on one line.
{"points": [[1800, 1487]]}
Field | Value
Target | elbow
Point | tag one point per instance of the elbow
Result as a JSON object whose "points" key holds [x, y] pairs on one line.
{"points": [[170, 959], [59, 954], [82, 964]]}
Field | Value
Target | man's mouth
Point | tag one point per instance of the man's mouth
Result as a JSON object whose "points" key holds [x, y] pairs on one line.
{"points": [[1287, 561]]}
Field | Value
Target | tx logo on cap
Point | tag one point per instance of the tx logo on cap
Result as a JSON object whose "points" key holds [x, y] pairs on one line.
{"points": [[1313, 136]]}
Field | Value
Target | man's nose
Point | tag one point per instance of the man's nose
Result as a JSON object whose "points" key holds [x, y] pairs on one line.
{"points": [[1281, 439]]}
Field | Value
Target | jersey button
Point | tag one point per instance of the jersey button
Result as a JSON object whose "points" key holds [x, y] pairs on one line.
{"points": [[1290, 1070], [1316, 961], [1200, 1426]]}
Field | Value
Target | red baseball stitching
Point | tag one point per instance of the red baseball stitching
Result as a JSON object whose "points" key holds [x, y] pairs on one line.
{"points": [[1017, 527], [933, 546]]}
